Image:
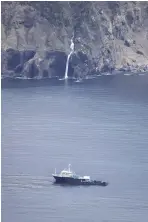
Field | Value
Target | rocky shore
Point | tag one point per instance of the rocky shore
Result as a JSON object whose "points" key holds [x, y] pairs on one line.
{"points": [[107, 36]]}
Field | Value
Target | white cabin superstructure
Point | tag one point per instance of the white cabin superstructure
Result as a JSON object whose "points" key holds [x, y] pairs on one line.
{"points": [[70, 174]]}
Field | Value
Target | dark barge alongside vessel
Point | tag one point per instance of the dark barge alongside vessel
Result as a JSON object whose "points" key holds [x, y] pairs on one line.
{"points": [[71, 178]]}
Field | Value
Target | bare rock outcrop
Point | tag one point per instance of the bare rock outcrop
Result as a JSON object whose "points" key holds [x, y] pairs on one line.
{"points": [[107, 36]]}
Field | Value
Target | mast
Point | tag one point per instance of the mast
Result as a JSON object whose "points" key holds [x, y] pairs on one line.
{"points": [[69, 167]]}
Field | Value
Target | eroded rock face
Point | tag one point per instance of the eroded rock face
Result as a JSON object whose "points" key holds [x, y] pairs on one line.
{"points": [[53, 64], [107, 36]]}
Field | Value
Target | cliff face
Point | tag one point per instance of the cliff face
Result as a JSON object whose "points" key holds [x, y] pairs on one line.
{"points": [[107, 35]]}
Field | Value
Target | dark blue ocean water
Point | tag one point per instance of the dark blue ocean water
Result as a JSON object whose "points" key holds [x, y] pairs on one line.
{"points": [[100, 126]]}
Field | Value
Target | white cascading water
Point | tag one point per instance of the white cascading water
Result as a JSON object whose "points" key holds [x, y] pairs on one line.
{"points": [[67, 62]]}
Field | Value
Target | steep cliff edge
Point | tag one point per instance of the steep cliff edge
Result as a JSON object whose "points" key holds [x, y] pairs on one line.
{"points": [[107, 35]]}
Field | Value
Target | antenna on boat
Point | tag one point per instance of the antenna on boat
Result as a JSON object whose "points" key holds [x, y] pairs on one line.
{"points": [[69, 167], [55, 171]]}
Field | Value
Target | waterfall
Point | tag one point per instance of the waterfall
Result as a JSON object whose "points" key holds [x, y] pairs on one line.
{"points": [[67, 62]]}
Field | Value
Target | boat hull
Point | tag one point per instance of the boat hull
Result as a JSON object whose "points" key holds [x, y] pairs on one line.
{"points": [[76, 181]]}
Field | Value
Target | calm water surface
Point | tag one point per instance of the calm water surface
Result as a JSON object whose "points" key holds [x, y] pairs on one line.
{"points": [[100, 126]]}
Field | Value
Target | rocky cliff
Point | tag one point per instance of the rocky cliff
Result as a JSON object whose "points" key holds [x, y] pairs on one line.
{"points": [[107, 36]]}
